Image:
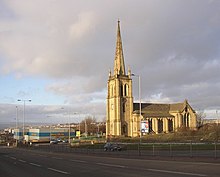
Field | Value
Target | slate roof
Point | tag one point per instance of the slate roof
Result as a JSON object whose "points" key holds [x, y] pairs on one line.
{"points": [[177, 107], [157, 110]]}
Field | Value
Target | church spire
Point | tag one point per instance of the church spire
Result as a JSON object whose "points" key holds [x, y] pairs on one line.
{"points": [[119, 66]]}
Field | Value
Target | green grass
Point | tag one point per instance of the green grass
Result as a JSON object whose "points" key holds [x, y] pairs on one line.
{"points": [[202, 139]]}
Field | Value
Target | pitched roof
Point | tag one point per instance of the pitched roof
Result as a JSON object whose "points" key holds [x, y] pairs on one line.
{"points": [[177, 106], [158, 110], [153, 110]]}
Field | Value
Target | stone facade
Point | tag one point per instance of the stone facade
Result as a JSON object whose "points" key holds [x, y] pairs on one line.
{"points": [[124, 117]]}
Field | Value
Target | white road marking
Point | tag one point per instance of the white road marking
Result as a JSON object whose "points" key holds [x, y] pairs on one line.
{"points": [[42, 155], [180, 162], [59, 171], [111, 165], [204, 163], [22, 161], [176, 172], [58, 158], [81, 161], [34, 164], [13, 158]]}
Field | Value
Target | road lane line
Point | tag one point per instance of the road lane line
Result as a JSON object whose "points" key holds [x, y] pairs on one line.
{"points": [[34, 164], [111, 165], [22, 161], [13, 158], [176, 172], [41, 155], [181, 162], [81, 161], [59, 171], [58, 158]]}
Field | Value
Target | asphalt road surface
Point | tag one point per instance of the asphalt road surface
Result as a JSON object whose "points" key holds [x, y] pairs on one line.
{"points": [[16, 162]]}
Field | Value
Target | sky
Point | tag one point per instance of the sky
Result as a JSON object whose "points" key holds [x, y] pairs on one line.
{"points": [[58, 54]]}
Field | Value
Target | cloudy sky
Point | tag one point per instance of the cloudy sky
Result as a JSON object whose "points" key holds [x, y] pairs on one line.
{"points": [[58, 54]]}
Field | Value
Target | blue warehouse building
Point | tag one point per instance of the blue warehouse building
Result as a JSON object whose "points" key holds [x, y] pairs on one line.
{"points": [[43, 134]]}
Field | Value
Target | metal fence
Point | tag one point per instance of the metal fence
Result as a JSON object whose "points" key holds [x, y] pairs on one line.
{"points": [[206, 150]]}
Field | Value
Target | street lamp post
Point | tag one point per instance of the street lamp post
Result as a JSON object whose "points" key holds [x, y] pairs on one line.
{"points": [[24, 114], [50, 131], [79, 130], [98, 130], [69, 124], [79, 122], [139, 87], [16, 117], [85, 128], [17, 135]]}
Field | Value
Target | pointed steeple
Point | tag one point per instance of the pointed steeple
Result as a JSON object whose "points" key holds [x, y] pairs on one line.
{"points": [[119, 66]]}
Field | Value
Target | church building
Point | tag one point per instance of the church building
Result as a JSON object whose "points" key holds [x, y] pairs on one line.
{"points": [[126, 118]]}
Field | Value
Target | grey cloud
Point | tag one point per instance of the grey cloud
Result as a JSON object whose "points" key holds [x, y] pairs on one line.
{"points": [[174, 46]]}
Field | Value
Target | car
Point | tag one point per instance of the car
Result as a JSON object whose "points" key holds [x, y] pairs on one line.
{"points": [[65, 141], [53, 142], [112, 147], [59, 140]]}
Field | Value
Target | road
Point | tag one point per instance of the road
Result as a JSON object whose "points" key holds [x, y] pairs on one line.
{"points": [[15, 162]]}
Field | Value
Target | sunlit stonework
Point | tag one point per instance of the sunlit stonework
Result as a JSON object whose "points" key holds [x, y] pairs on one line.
{"points": [[123, 115]]}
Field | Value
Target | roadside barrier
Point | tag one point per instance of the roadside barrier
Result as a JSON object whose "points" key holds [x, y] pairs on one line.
{"points": [[206, 150]]}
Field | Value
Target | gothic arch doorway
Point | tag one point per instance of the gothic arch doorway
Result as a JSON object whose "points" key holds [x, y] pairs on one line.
{"points": [[186, 120], [124, 130], [170, 125], [160, 125], [150, 124]]}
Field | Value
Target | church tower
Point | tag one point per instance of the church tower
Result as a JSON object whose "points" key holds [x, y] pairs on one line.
{"points": [[119, 99]]}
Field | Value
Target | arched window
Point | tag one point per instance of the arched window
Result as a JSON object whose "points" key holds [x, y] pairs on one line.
{"points": [[111, 90], [121, 90], [124, 129], [160, 125], [186, 120], [125, 90], [123, 104], [170, 125], [150, 125]]}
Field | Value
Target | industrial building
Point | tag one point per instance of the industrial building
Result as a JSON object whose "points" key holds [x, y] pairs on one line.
{"points": [[43, 134]]}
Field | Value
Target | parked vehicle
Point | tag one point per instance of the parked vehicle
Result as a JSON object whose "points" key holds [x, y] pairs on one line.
{"points": [[59, 140], [65, 141], [53, 142], [112, 147]]}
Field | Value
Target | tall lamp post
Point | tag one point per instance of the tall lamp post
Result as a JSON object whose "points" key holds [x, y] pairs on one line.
{"points": [[69, 124], [86, 132], [79, 122], [24, 113], [50, 131], [139, 87], [17, 135], [16, 126]]}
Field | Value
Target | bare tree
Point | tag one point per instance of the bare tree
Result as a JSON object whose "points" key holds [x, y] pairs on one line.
{"points": [[200, 118], [88, 125]]}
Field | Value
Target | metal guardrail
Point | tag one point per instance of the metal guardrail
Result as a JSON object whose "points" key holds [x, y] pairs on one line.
{"points": [[206, 150]]}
